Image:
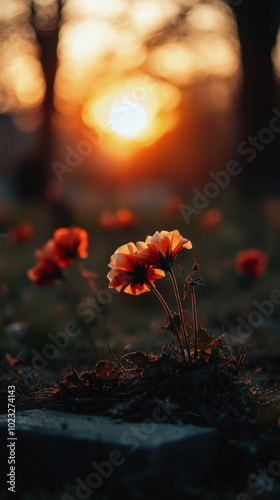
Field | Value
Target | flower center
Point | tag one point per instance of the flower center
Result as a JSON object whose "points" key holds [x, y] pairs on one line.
{"points": [[139, 273]]}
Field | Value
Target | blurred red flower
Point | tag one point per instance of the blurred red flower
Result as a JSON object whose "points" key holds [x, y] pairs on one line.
{"points": [[129, 274], [122, 219], [108, 221], [126, 218], [211, 220], [171, 207], [161, 249], [71, 243], [251, 261], [21, 233], [47, 270]]}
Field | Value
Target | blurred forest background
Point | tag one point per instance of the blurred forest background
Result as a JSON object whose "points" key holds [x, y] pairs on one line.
{"points": [[202, 78]]}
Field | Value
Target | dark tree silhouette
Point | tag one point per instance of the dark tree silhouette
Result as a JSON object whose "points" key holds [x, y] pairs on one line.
{"points": [[33, 170], [258, 23]]}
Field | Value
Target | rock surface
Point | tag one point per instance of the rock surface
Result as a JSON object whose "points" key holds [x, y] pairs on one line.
{"points": [[55, 449]]}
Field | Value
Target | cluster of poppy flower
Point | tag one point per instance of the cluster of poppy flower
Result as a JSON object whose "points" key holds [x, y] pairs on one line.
{"points": [[134, 268], [122, 219], [67, 245]]}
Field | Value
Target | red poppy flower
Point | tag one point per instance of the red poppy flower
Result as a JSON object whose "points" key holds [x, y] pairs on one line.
{"points": [[129, 274], [126, 218], [161, 249], [171, 207], [252, 262], [211, 220], [71, 244], [22, 233], [47, 270]]}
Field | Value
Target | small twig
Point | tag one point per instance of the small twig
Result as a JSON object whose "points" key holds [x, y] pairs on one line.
{"points": [[76, 374], [194, 314], [115, 357], [194, 310], [180, 311]]}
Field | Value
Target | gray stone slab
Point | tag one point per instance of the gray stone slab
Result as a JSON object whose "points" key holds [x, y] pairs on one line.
{"points": [[103, 429], [55, 448]]}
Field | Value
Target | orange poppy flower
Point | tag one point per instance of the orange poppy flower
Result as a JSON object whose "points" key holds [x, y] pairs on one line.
{"points": [[126, 218], [211, 220], [47, 270], [161, 249], [129, 274], [71, 244], [252, 262], [22, 233]]}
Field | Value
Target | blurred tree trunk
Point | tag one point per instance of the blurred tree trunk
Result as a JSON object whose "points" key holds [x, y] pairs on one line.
{"points": [[258, 23], [34, 169]]}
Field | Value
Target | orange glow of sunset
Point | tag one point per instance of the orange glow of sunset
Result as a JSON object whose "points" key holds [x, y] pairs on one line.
{"points": [[128, 118], [123, 68], [138, 111]]}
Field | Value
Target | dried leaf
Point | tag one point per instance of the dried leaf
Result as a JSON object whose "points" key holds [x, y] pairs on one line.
{"points": [[187, 286], [214, 343], [103, 368], [138, 358], [204, 339], [195, 267], [127, 347], [177, 321]]}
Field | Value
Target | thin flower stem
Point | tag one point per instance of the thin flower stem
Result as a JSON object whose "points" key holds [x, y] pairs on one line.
{"points": [[169, 314], [180, 310], [195, 323], [87, 277]]}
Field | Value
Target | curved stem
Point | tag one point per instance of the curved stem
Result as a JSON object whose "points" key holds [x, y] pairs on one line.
{"points": [[169, 314], [180, 310], [195, 324]]}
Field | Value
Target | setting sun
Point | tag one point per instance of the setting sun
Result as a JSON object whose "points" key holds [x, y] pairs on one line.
{"points": [[128, 118]]}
